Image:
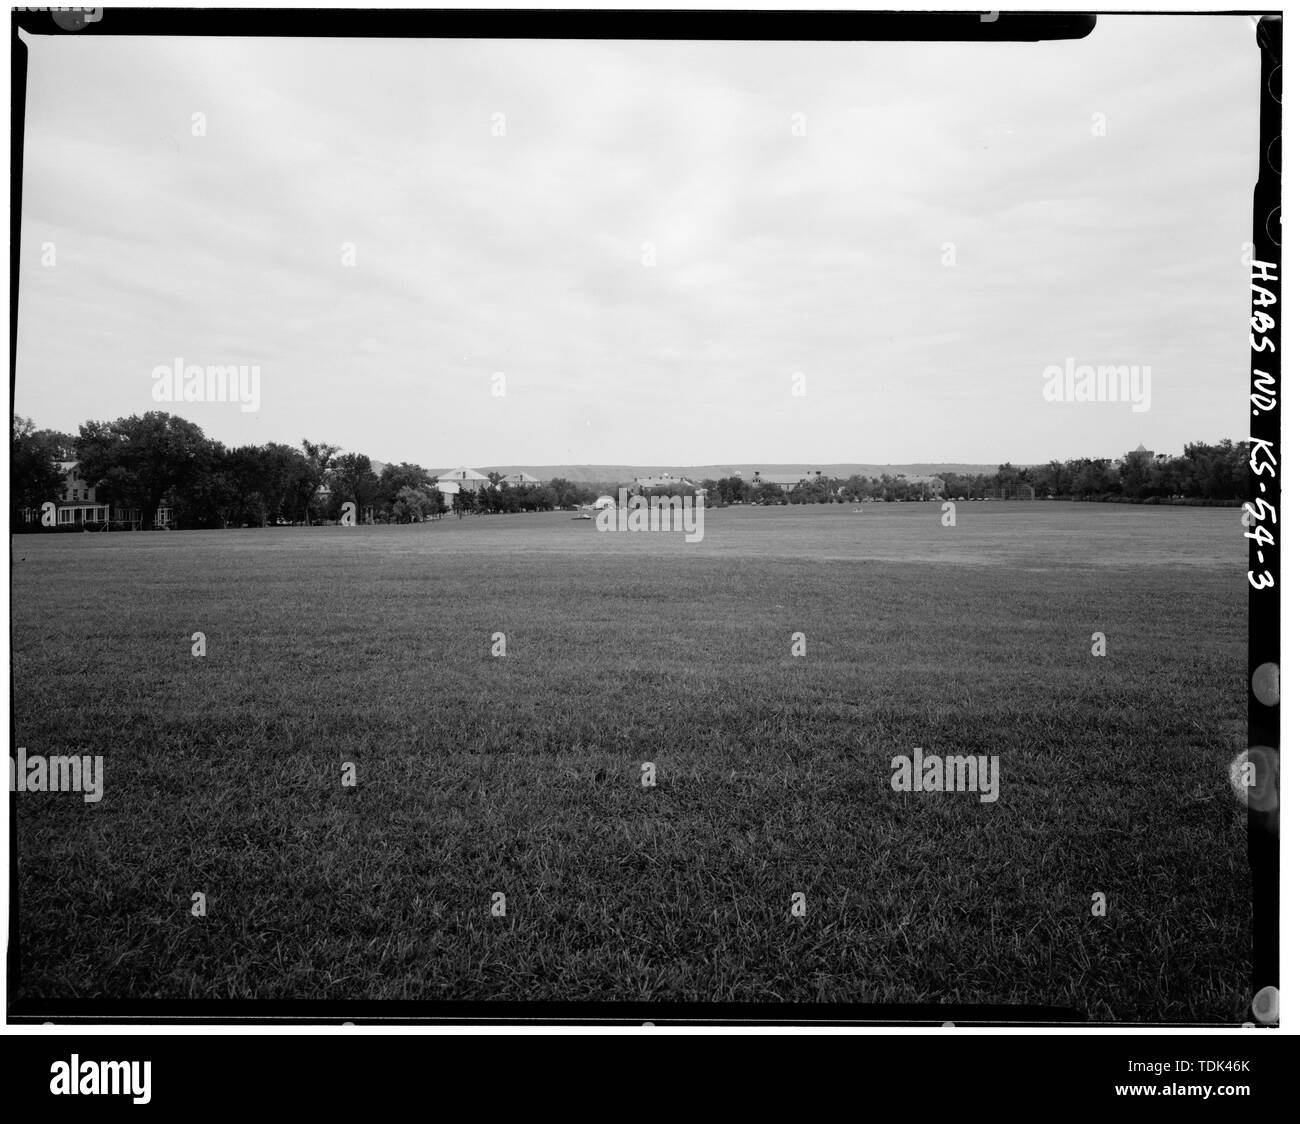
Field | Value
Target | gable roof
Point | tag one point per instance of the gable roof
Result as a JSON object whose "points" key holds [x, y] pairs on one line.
{"points": [[786, 478]]}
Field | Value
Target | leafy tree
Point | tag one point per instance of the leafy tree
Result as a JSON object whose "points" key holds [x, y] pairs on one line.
{"points": [[411, 505], [137, 460], [1135, 475], [1006, 478], [34, 473], [210, 496], [396, 478], [354, 479], [1049, 479], [1211, 473], [568, 494], [310, 474], [545, 498], [260, 479], [732, 489]]}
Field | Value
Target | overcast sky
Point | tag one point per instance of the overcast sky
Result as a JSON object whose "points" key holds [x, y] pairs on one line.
{"points": [[526, 253]]}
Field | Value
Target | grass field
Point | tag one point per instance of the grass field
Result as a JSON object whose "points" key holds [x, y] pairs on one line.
{"points": [[522, 774]]}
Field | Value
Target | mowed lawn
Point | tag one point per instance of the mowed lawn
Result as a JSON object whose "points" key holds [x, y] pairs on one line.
{"points": [[522, 774]]}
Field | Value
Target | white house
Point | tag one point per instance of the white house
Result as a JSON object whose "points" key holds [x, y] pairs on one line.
{"points": [[786, 481], [467, 479], [520, 479], [663, 480], [77, 506]]}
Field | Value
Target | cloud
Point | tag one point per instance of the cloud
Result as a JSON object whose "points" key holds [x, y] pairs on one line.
{"points": [[779, 243]]}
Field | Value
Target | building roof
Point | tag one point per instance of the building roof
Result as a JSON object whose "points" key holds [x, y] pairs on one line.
{"points": [[662, 480], [462, 474], [785, 477]]}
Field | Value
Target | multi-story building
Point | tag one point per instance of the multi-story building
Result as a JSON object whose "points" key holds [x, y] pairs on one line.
{"points": [[787, 481], [77, 506], [663, 480], [466, 478]]}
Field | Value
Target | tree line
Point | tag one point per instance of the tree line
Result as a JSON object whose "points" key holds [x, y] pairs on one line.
{"points": [[161, 460], [1202, 474], [158, 459]]}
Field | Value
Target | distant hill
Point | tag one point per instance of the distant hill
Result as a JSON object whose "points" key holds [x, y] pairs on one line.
{"points": [[619, 473]]}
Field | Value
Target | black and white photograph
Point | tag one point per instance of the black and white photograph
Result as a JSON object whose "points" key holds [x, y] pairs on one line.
{"points": [[645, 517]]}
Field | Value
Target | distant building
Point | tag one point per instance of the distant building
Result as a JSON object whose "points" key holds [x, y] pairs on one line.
{"points": [[932, 483], [1143, 454], [77, 506], [787, 481], [663, 480], [467, 479], [520, 480]]}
